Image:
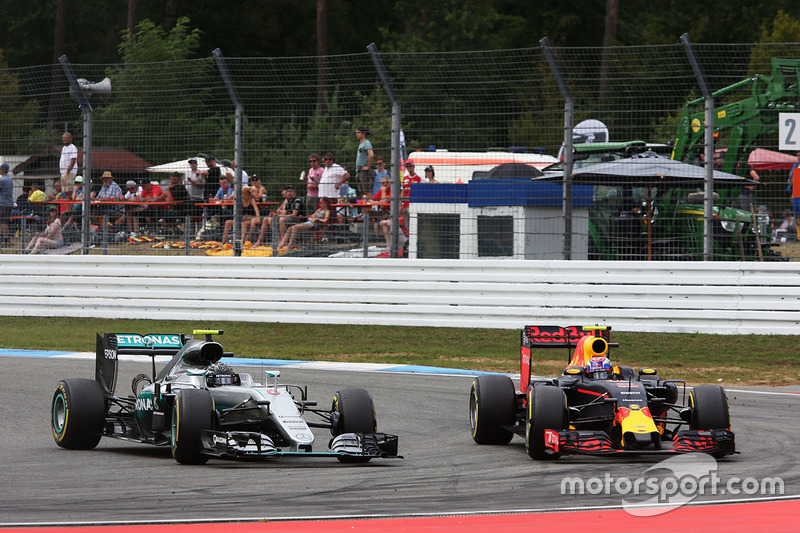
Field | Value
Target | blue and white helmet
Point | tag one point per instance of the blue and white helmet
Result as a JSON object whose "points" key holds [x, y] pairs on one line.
{"points": [[599, 368]]}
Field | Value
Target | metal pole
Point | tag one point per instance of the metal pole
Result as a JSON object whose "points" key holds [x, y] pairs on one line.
{"points": [[386, 81], [83, 103], [708, 208], [569, 109], [239, 153]]}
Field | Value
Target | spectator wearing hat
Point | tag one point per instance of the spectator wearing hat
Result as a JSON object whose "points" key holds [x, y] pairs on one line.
{"points": [[287, 214], [411, 175], [380, 173], [6, 201], [364, 158], [111, 193], [68, 163], [430, 175], [133, 194], [51, 237], [195, 182]]}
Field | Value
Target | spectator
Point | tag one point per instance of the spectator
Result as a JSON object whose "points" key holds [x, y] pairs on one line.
{"points": [[312, 179], [225, 191], [257, 189], [745, 200], [794, 188], [195, 185], [232, 175], [6, 201], [51, 237], [411, 175], [382, 202], [58, 193], [316, 221], [77, 208], [212, 175], [37, 194], [380, 173], [287, 214], [152, 192], [133, 194], [250, 217], [68, 163], [333, 176], [110, 193], [177, 192], [364, 157], [430, 175]]}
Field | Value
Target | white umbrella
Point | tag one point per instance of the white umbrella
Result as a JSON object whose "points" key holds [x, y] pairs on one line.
{"points": [[182, 166]]}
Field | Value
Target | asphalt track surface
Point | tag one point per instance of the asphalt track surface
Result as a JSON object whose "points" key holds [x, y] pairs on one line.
{"points": [[443, 472]]}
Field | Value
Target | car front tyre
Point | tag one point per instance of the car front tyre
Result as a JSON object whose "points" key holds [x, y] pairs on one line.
{"points": [[492, 401], [192, 413]]}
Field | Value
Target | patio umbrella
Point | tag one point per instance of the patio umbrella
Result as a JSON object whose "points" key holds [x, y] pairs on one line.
{"points": [[650, 170], [763, 160], [514, 171]]}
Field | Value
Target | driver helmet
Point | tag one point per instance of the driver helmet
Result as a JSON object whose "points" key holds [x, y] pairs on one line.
{"points": [[221, 374], [599, 368]]}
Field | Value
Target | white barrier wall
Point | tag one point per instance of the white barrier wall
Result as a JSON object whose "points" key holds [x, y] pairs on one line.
{"points": [[680, 297]]}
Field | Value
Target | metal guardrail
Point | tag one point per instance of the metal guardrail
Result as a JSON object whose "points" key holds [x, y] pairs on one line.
{"points": [[676, 297]]}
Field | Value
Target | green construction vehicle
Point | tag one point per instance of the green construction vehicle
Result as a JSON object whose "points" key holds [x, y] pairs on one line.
{"points": [[748, 119]]}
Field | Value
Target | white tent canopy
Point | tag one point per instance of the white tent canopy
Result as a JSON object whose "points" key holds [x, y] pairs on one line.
{"points": [[182, 166]]}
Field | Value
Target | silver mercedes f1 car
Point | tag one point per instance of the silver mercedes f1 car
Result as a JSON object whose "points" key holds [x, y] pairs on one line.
{"points": [[202, 408]]}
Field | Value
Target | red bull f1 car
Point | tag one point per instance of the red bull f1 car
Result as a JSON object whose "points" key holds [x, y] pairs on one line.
{"points": [[595, 408], [202, 408]]}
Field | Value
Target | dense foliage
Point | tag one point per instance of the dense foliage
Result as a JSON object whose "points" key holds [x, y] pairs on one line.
{"points": [[280, 28]]}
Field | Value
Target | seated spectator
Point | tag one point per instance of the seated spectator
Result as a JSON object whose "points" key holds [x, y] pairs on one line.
{"points": [[287, 214], [257, 189], [224, 194], [37, 193], [250, 217], [58, 194], [316, 221], [51, 237], [152, 192], [74, 215], [133, 194], [111, 193]]}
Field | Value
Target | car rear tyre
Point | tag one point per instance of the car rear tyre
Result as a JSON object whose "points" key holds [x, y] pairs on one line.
{"points": [[547, 409], [77, 413], [192, 412], [492, 402], [710, 408], [356, 414]]}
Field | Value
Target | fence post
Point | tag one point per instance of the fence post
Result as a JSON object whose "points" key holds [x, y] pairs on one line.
{"points": [[238, 155], [569, 108], [708, 206], [396, 181], [83, 103]]}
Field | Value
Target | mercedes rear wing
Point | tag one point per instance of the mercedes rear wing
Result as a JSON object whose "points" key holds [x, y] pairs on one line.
{"points": [[110, 346]]}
